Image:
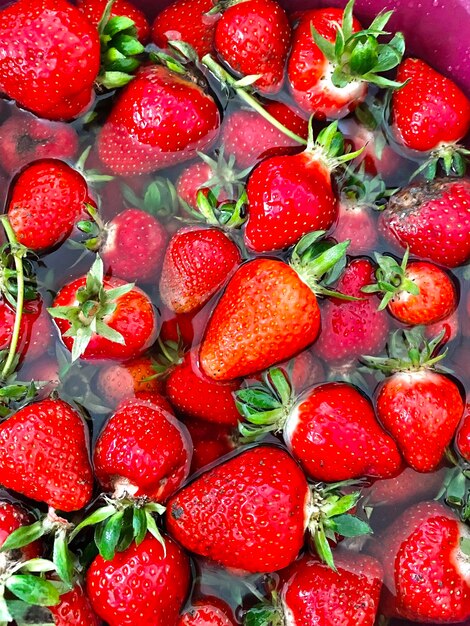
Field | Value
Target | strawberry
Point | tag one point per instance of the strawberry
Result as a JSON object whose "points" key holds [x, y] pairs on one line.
{"points": [[250, 137], [414, 293], [253, 38], [12, 517], [350, 329], [60, 474], [310, 425], [197, 263], [46, 201], [309, 592], [143, 450], [408, 486], [303, 371], [289, 196], [430, 111], [432, 219], [93, 10], [196, 396], [74, 609], [186, 329], [250, 512], [25, 138], [462, 440], [146, 584], [188, 21], [330, 64], [119, 381], [210, 442], [100, 317], [135, 140], [208, 611], [420, 407], [449, 327], [268, 312], [425, 559], [50, 57]]}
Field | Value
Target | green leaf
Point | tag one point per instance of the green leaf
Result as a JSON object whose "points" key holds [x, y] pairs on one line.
{"points": [[351, 526], [323, 548], [465, 545], [63, 558], [110, 537], [348, 20], [38, 566], [96, 517], [380, 21], [139, 523], [258, 398], [325, 46], [105, 331], [23, 536], [154, 531], [364, 56], [262, 615], [281, 385], [33, 590], [342, 505]]}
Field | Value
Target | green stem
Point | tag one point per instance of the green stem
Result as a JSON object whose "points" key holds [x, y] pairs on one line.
{"points": [[227, 79], [17, 256]]}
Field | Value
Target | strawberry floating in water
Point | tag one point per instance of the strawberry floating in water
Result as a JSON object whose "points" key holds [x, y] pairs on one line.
{"points": [[119, 381], [208, 611]]}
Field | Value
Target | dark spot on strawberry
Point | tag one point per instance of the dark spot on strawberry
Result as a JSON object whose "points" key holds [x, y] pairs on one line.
{"points": [[177, 512]]}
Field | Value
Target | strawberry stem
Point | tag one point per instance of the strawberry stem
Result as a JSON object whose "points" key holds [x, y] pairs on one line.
{"points": [[226, 79], [18, 252]]}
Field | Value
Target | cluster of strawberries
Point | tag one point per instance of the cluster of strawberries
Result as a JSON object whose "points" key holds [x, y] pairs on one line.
{"points": [[257, 333]]}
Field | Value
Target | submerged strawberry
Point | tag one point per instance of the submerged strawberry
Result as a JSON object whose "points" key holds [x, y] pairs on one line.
{"points": [[207, 611], [120, 381]]}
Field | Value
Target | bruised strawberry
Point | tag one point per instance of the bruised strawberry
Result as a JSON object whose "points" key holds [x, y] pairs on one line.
{"points": [[60, 475], [93, 10], [74, 609], [119, 381], [207, 611]]}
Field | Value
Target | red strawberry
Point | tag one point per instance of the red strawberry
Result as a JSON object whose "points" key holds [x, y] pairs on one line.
{"points": [[210, 442], [426, 566], [268, 312], [142, 450], [463, 435], [430, 111], [196, 396], [250, 137], [25, 138], [119, 381], [186, 329], [432, 219], [188, 21], [330, 429], [208, 611], [350, 329], [449, 326], [409, 486], [356, 222], [197, 263], [44, 455], [253, 37], [328, 80], [12, 517], [143, 133], [309, 592], [50, 57], [414, 293], [74, 609], [103, 318], [46, 201], [94, 9], [146, 584], [303, 371], [420, 407]]}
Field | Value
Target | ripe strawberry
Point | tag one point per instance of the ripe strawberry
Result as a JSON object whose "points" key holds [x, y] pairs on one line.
{"points": [[409, 486], [25, 138], [250, 137], [330, 65], [60, 474], [135, 140], [74, 609], [46, 201], [186, 329], [50, 57], [414, 293], [254, 38], [188, 21], [196, 396], [12, 517], [430, 111], [100, 317], [425, 563], [290, 196], [350, 329], [432, 219], [420, 407], [304, 370], [93, 10], [119, 381], [207, 611], [146, 584], [462, 440], [143, 451], [309, 592], [449, 327], [310, 425], [268, 312], [197, 263], [210, 442]]}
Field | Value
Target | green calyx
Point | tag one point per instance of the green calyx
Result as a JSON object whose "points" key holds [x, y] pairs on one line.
{"points": [[455, 490], [451, 159], [329, 516], [408, 351], [14, 394], [169, 354], [120, 522], [391, 279], [160, 199], [328, 147], [265, 405], [359, 56], [361, 190], [121, 50], [319, 263], [95, 304], [265, 613]]}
